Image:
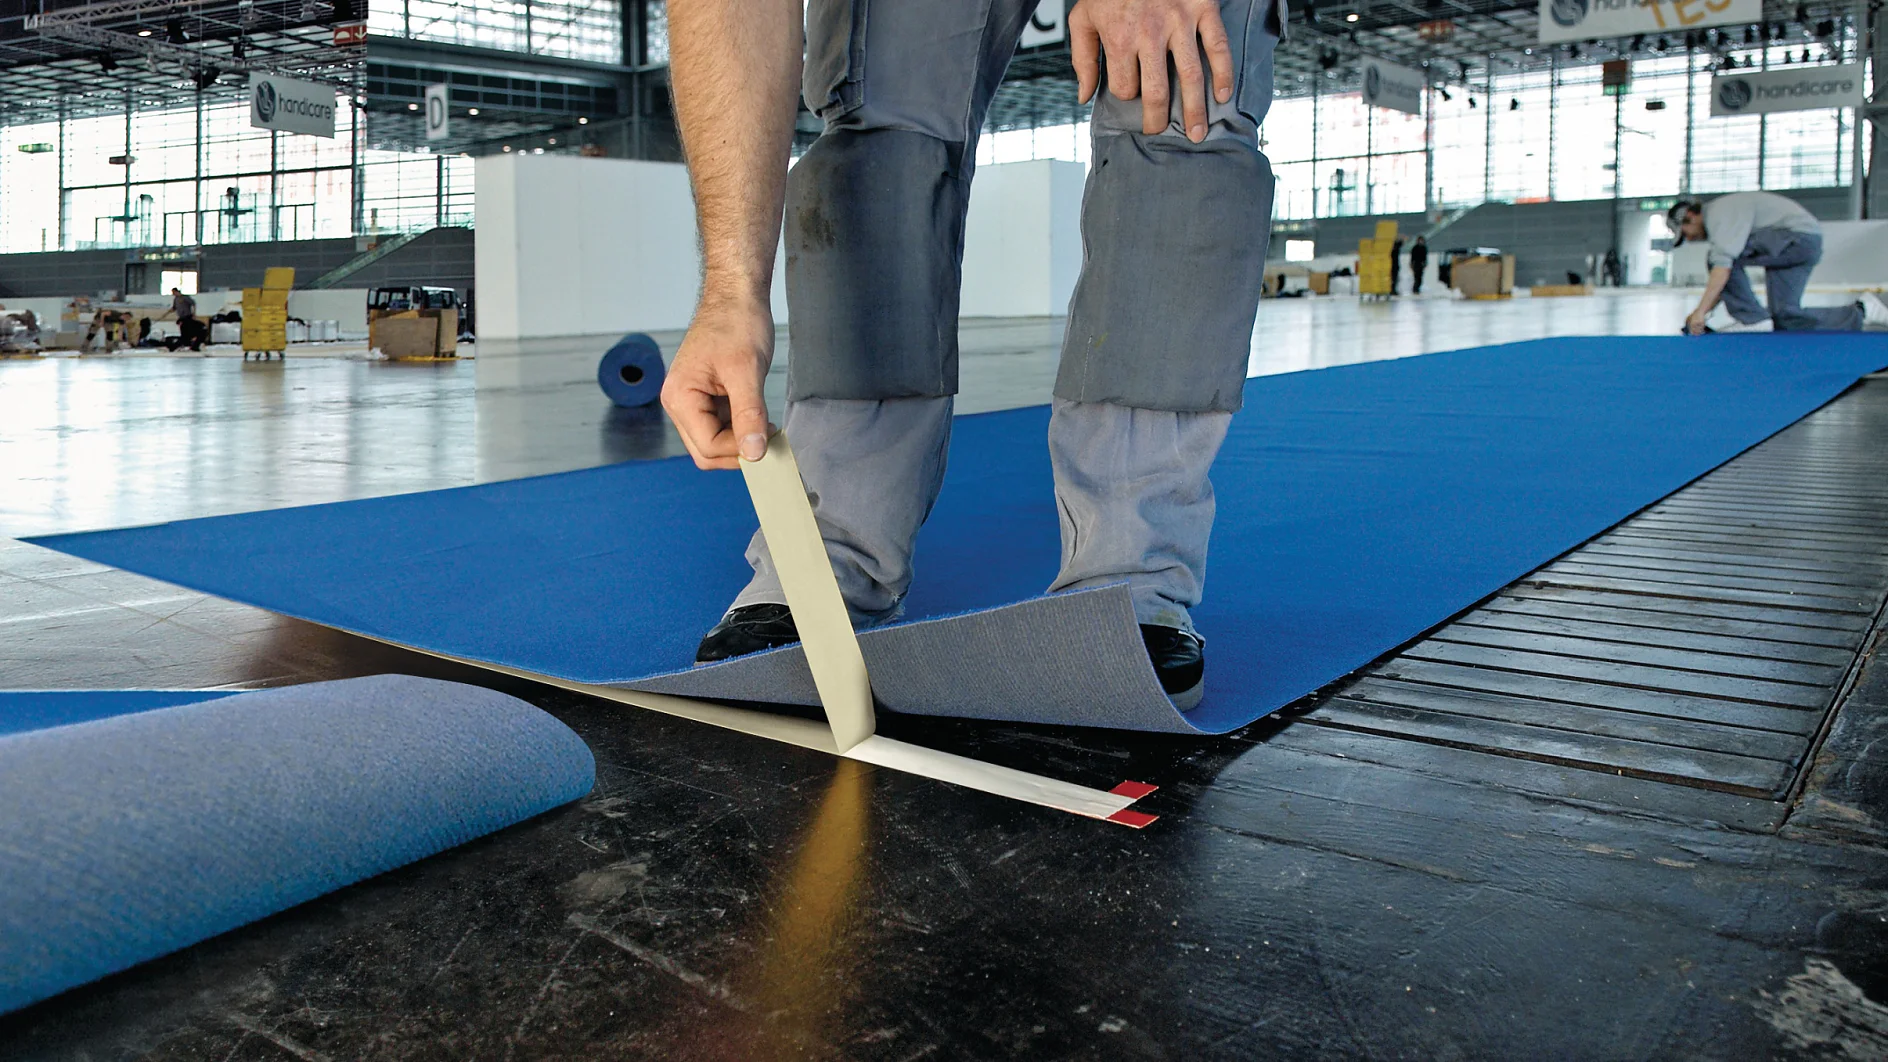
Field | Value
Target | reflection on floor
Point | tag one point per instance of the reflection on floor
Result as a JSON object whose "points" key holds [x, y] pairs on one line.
{"points": [[127, 439], [1311, 891]]}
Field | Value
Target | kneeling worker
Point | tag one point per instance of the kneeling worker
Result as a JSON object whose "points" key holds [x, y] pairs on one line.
{"points": [[1764, 229]]}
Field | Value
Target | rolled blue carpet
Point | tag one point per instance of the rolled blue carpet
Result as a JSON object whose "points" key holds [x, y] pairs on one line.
{"points": [[133, 835]]}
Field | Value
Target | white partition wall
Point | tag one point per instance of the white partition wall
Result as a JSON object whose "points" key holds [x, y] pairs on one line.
{"points": [[574, 246], [1023, 239], [577, 246]]}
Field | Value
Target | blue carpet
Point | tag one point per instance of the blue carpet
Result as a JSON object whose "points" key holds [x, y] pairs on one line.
{"points": [[1358, 506], [34, 710], [128, 837]]}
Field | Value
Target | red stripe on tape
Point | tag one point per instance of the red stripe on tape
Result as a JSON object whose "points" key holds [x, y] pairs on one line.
{"points": [[1129, 817], [1133, 790]]}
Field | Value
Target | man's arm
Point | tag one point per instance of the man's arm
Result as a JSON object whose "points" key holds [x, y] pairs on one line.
{"points": [[734, 66], [1713, 287]]}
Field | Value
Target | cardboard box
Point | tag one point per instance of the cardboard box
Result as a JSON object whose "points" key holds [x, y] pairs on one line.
{"points": [[1483, 276]]}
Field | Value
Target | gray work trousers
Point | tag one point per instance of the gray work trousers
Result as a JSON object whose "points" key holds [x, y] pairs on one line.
{"points": [[1154, 359], [1787, 259]]}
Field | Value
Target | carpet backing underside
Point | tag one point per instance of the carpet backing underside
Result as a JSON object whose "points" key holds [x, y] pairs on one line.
{"points": [[129, 836]]}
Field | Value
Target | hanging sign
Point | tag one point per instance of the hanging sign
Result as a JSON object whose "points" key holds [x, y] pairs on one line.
{"points": [[291, 106], [438, 114], [1396, 87], [1577, 20], [1048, 25], [1795, 88]]}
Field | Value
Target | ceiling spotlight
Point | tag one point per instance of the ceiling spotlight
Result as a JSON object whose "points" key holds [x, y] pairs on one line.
{"points": [[238, 48], [1662, 44], [1352, 17], [107, 62], [1750, 35], [1638, 43], [1464, 67], [508, 148], [1514, 104], [537, 151], [553, 141], [1806, 55], [412, 106], [583, 121], [206, 77], [144, 33], [174, 31], [473, 111], [1573, 51], [1445, 93], [1471, 101], [1328, 58]]}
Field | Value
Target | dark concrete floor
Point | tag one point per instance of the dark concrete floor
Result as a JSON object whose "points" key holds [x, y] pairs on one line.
{"points": [[1308, 892]]}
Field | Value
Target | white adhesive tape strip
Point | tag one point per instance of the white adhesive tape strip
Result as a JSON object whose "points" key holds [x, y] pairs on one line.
{"points": [[806, 576], [877, 750]]}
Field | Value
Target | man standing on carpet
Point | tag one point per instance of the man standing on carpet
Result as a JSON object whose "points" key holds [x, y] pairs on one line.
{"points": [[1174, 221], [1763, 229], [1418, 261]]}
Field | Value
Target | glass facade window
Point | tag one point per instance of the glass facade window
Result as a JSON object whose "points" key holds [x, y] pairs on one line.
{"points": [[208, 177], [565, 29], [1528, 136]]}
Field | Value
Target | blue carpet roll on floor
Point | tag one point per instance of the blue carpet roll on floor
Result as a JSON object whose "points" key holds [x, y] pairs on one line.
{"points": [[127, 837], [1358, 506]]}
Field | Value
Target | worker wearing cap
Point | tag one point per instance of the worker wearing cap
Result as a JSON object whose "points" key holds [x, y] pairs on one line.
{"points": [[1174, 225], [1763, 229]]}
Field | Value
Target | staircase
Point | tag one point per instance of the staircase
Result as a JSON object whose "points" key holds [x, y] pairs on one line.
{"points": [[1447, 220], [361, 261]]}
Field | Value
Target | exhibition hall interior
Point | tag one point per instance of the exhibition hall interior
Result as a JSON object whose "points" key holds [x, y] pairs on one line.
{"points": [[835, 529]]}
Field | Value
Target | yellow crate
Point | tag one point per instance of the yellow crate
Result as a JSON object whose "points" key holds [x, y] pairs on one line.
{"points": [[1386, 233], [278, 278]]}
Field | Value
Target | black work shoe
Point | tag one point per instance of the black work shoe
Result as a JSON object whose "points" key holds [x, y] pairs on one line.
{"points": [[1179, 659], [748, 630]]}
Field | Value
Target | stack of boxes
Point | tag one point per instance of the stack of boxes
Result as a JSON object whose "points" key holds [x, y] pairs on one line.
{"points": [[1373, 262], [265, 312]]}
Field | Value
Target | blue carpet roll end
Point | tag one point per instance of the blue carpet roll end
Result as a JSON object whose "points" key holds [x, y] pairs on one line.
{"points": [[631, 372], [131, 836]]}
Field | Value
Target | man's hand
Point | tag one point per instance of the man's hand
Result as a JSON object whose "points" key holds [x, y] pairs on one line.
{"points": [[1137, 36], [713, 390], [1694, 323]]}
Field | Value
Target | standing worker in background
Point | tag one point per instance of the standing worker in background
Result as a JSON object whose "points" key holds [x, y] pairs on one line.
{"points": [[1396, 264], [1763, 229], [1418, 261], [1175, 220]]}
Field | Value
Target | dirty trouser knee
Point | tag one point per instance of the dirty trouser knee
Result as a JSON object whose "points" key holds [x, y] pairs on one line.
{"points": [[1135, 502], [874, 243], [872, 470], [1174, 237], [875, 209], [1788, 258]]}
